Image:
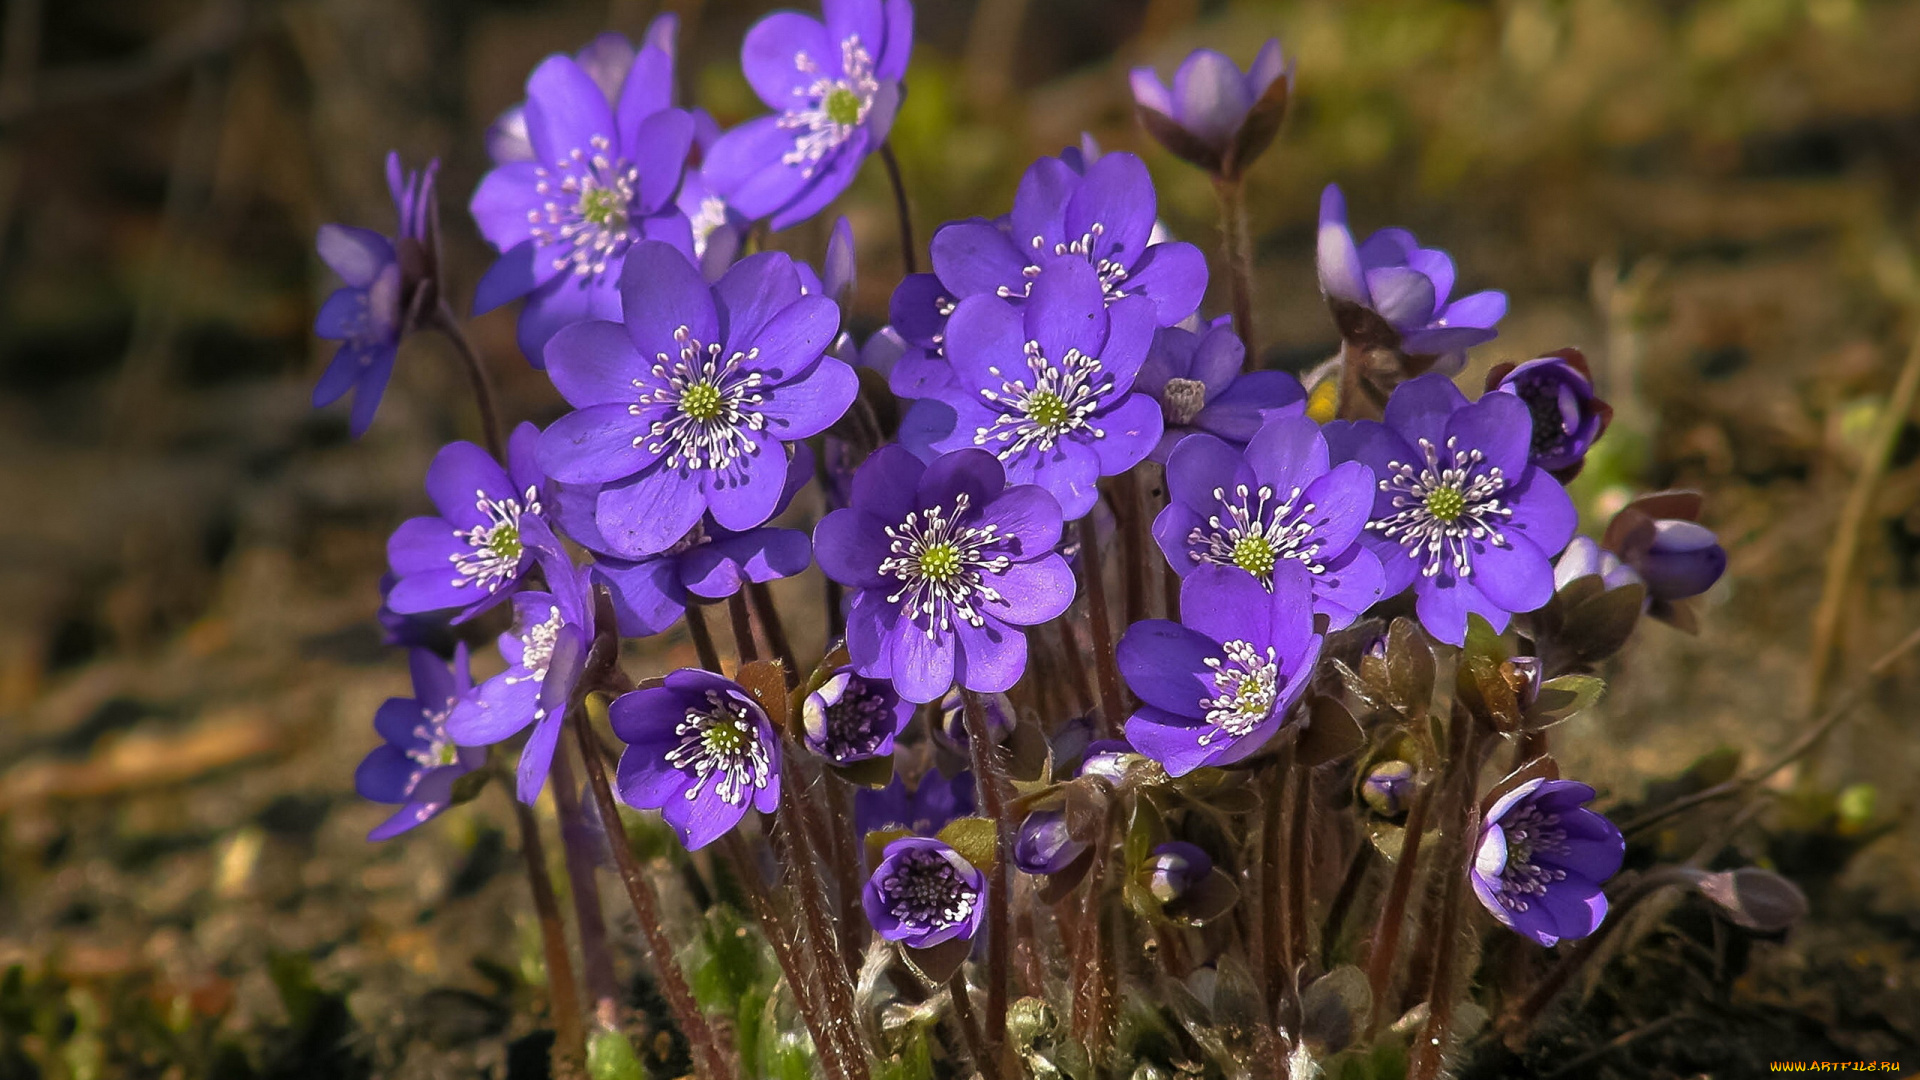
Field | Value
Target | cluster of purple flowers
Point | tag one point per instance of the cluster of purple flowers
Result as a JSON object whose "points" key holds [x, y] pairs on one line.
{"points": [[1050, 348]]}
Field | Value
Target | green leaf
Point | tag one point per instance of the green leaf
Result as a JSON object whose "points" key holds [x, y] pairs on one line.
{"points": [[1563, 698], [874, 773], [975, 838], [878, 839]]}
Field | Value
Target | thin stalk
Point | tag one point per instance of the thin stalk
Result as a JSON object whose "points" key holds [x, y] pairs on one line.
{"points": [[1133, 546], [702, 638], [776, 632], [1076, 665], [847, 865], [1393, 912], [780, 936], [743, 642], [908, 253], [977, 1046], [590, 921], [1299, 867], [1846, 539], [1237, 252], [803, 862], [712, 1050], [836, 620], [1429, 1052], [990, 776], [1106, 666], [569, 1028], [1270, 928], [1343, 900], [445, 322], [1170, 591]]}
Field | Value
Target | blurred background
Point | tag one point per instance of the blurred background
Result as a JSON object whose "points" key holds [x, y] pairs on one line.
{"points": [[1718, 200]]}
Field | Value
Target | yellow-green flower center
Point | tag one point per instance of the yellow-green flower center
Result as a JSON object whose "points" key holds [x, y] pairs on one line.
{"points": [[842, 106], [1047, 410], [445, 753], [504, 544], [940, 562], [603, 206], [702, 402], [1255, 555], [1445, 504], [725, 740]]}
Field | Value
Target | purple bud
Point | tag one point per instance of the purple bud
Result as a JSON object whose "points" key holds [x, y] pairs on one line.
{"points": [[1043, 845], [1685, 559], [953, 717], [842, 262], [1214, 116], [1106, 758], [1585, 557], [1174, 869], [1389, 788]]}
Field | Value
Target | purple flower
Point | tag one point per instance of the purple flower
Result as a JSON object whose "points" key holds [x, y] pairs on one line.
{"points": [[545, 652], [918, 313], [1043, 845], [1542, 858], [687, 407], [1461, 513], [384, 283], [1196, 377], [1047, 386], [1106, 758], [1406, 285], [923, 894], [1278, 501], [1214, 116], [1174, 869], [1216, 686], [1584, 557], [849, 718], [1567, 418], [711, 562], [409, 631], [418, 763], [472, 554], [923, 811], [1102, 220], [602, 179], [946, 563], [700, 750], [833, 88]]}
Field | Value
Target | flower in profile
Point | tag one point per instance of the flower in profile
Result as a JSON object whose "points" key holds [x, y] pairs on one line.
{"points": [[849, 718], [952, 728], [687, 408], [711, 562], [1542, 858], [1279, 501], [1461, 513], [946, 564], [700, 750], [918, 313], [1585, 557], [545, 652], [1043, 844], [1214, 116], [1047, 386], [1567, 418], [1102, 220], [1676, 557], [923, 894], [1196, 377], [923, 811], [418, 763], [602, 179], [834, 89], [1216, 686], [473, 553], [1406, 286], [420, 631], [385, 287]]}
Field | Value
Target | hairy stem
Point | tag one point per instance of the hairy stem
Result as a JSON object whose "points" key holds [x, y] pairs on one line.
{"points": [[776, 632], [743, 642], [785, 953], [1237, 252], [1393, 912], [984, 1058], [590, 920], [703, 646], [990, 775], [1112, 707], [569, 1028]]}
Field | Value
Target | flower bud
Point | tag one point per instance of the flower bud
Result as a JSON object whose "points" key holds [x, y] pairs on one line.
{"points": [[1567, 418], [1214, 116], [1043, 845], [1585, 557], [1685, 559], [1173, 869], [1389, 788]]}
